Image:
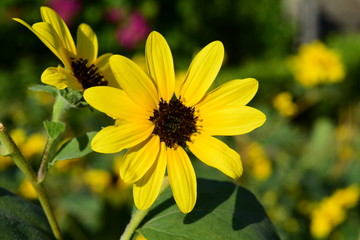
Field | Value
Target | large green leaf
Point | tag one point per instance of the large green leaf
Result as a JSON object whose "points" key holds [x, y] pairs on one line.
{"points": [[223, 211], [20, 219], [75, 148]]}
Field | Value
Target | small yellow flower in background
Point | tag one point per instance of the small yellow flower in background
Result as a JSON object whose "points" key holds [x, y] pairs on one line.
{"points": [[157, 119], [75, 164], [97, 179], [347, 197], [26, 190], [332, 211], [258, 162], [283, 102], [19, 136], [83, 69], [42, 98], [33, 145], [345, 134], [316, 64], [5, 162]]}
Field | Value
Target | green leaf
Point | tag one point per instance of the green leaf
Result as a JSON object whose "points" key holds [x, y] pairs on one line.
{"points": [[75, 148], [222, 211], [54, 129], [44, 88], [20, 219]]}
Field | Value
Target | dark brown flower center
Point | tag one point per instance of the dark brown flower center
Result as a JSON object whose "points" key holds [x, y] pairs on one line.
{"points": [[174, 123], [88, 76]]}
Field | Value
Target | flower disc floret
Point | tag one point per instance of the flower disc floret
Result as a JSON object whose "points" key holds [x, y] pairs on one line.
{"points": [[174, 122], [88, 76]]}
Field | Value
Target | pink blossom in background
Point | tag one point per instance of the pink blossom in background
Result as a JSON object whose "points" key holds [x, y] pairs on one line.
{"points": [[113, 15], [67, 9], [134, 32]]}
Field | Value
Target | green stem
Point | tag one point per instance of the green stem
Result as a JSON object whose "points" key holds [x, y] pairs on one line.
{"points": [[139, 215], [135, 221], [59, 108], [13, 151]]}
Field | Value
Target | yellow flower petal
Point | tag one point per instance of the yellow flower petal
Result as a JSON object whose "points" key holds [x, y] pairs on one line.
{"points": [[160, 65], [202, 73], [135, 82], [231, 120], [217, 154], [87, 43], [102, 63], [60, 78], [114, 102], [138, 159], [236, 92], [50, 16], [182, 179], [147, 189], [114, 139], [46, 33]]}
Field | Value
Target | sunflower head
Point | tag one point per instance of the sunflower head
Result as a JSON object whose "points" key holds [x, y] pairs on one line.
{"points": [[82, 68], [159, 119], [174, 123]]}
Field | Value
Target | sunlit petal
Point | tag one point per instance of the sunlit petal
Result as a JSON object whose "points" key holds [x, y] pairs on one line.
{"points": [[182, 179], [217, 154], [138, 159], [114, 102], [60, 78], [102, 63], [46, 33], [232, 120], [135, 82], [87, 43], [113, 139], [160, 65], [202, 73], [147, 189], [50, 16], [236, 92]]}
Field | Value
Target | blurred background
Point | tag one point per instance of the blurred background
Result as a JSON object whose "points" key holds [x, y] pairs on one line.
{"points": [[303, 164]]}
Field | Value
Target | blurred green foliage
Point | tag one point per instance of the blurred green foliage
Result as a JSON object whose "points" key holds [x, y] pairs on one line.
{"points": [[308, 159]]}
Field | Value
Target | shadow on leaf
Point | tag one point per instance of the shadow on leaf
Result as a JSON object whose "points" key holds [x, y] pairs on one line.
{"points": [[248, 211], [159, 208], [211, 194]]}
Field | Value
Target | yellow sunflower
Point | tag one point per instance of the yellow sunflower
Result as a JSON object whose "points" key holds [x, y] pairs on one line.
{"points": [[83, 69], [158, 119]]}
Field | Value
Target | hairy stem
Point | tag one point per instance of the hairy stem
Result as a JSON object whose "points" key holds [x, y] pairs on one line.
{"points": [[138, 215], [13, 151], [59, 108]]}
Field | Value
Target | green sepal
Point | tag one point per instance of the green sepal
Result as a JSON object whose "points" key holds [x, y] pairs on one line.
{"points": [[73, 97]]}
